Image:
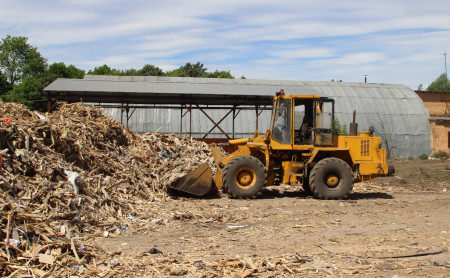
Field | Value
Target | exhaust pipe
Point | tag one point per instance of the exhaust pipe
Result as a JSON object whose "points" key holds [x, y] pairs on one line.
{"points": [[354, 126]]}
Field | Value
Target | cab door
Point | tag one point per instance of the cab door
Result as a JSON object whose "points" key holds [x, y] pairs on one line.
{"points": [[281, 124], [323, 122]]}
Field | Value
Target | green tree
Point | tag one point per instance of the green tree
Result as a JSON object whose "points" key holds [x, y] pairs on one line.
{"points": [[441, 84], [18, 59], [29, 91], [150, 70], [5, 86], [128, 72], [218, 74], [104, 70], [194, 70], [339, 129], [189, 70], [147, 70], [176, 73], [60, 70]]}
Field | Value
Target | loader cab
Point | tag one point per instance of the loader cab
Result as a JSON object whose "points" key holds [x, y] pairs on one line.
{"points": [[302, 121]]}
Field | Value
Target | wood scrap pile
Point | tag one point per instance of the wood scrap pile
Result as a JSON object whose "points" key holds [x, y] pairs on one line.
{"points": [[69, 175]]}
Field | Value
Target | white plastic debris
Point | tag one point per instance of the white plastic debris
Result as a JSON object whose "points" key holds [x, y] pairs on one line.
{"points": [[42, 117], [14, 242], [62, 230], [232, 227], [73, 177]]}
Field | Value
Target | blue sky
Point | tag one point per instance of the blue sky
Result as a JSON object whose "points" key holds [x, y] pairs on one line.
{"points": [[399, 42]]}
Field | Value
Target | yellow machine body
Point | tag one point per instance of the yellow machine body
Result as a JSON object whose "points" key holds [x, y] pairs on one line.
{"points": [[300, 148]]}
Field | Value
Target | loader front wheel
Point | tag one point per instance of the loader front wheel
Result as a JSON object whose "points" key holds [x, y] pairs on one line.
{"points": [[244, 176], [306, 187], [331, 178]]}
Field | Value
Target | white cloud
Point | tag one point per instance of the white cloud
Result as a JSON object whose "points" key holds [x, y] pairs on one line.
{"points": [[302, 52], [315, 40], [356, 59]]}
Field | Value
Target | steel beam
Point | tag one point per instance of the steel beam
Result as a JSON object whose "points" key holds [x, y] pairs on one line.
{"points": [[224, 133], [223, 118]]}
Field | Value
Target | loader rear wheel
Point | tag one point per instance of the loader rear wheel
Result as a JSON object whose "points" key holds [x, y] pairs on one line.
{"points": [[244, 176], [331, 178]]}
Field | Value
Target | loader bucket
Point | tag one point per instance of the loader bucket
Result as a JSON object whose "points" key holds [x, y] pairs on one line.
{"points": [[197, 182]]}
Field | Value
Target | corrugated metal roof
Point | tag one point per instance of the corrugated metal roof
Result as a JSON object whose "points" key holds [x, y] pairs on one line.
{"points": [[166, 85], [397, 112], [189, 85]]}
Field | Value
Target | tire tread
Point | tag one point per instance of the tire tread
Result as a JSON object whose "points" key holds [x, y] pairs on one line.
{"points": [[315, 178], [228, 175]]}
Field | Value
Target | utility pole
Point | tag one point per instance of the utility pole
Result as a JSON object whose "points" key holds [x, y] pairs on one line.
{"points": [[445, 63]]}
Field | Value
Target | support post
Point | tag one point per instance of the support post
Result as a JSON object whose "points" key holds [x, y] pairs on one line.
{"points": [[257, 116], [190, 120], [121, 112], [181, 119], [234, 117], [128, 110], [48, 103]]}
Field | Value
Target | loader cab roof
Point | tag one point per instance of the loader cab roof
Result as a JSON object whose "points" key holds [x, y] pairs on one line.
{"points": [[280, 95]]}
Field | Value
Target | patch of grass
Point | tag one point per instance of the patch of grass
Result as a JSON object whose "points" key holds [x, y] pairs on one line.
{"points": [[423, 156], [441, 154]]}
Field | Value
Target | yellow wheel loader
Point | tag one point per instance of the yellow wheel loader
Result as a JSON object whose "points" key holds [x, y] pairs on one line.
{"points": [[300, 148]]}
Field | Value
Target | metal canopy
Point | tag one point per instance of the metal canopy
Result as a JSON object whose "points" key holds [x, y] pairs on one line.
{"points": [[168, 90], [186, 94], [155, 98]]}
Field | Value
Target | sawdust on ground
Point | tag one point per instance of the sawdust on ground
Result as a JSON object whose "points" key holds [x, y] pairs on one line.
{"points": [[390, 226]]}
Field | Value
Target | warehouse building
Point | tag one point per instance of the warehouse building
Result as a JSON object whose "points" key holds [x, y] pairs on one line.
{"points": [[219, 109]]}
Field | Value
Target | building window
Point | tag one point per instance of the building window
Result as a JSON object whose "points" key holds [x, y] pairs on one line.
{"points": [[448, 140]]}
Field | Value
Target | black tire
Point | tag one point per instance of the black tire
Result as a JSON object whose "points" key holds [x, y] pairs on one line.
{"points": [[244, 176], [391, 170], [331, 178], [224, 188], [306, 186]]}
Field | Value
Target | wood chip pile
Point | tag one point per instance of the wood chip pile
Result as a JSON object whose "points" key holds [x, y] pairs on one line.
{"points": [[72, 173]]}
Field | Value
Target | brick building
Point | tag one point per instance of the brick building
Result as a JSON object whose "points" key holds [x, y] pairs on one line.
{"points": [[438, 106]]}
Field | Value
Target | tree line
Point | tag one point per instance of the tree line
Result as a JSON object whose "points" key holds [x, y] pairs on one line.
{"points": [[24, 73], [188, 70]]}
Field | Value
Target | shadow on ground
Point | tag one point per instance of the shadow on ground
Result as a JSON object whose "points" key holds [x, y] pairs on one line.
{"points": [[274, 193], [369, 195]]}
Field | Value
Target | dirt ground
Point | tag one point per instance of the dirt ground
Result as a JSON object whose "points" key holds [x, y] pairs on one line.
{"points": [[389, 227]]}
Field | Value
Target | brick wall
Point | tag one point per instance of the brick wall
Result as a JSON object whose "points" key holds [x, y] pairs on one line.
{"points": [[440, 131], [437, 103]]}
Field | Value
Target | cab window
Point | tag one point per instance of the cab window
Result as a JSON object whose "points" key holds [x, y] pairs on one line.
{"points": [[282, 122]]}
